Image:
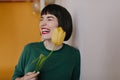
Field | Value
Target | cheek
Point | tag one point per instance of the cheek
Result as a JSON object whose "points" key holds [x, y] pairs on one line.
{"points": [[53, 24]]}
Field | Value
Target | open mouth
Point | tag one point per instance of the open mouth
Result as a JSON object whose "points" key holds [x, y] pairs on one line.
{"points": [[45, 30]]}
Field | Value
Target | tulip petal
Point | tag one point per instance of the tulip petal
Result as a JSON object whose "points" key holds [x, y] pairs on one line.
{"points": [[58, 36]]}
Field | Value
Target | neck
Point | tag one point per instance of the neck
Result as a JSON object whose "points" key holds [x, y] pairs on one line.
{"points": [[49, 45]]}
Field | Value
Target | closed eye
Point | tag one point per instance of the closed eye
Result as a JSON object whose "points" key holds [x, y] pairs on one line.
{"points": [[50, 19]]}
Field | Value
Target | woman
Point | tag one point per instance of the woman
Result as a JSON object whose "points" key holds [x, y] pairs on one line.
{"points": [[64, 63]]}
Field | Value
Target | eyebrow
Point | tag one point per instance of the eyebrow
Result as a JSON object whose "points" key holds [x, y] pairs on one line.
{"points": [[48, 17]]}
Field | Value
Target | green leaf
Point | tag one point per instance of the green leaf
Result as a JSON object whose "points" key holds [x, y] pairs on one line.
{"points": [[40, 62]]}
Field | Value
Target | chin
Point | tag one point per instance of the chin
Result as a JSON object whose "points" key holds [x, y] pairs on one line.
{"points": [[45, 38]]}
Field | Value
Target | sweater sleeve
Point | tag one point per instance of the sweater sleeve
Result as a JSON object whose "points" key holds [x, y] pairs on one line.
{"points": [[76, 71], [19, 68]]}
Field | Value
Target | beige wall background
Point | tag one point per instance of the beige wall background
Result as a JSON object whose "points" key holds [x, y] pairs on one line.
{"points": [[97, 35], [18, 26]]}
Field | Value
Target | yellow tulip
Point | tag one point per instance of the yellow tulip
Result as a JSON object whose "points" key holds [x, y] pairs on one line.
{"points": [[58, 36]]}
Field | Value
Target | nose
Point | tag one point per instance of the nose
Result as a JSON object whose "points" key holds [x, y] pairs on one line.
{"points": [[43, 23]]}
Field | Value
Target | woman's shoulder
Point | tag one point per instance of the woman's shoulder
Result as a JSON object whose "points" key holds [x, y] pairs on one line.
{"points": [[72, 51], [72, 48]]}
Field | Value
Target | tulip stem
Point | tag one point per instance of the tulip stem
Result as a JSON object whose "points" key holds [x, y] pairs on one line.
{"points": [[41, 59], [51, 52]]}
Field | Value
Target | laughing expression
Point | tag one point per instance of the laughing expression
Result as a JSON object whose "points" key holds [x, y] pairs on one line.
{"points": [[48, 23]]}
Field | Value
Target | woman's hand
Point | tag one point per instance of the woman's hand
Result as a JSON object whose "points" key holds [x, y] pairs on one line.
{"points": [[29, 76]]}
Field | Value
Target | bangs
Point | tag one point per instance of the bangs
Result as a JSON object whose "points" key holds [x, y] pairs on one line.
{"points": [[49, 10]]}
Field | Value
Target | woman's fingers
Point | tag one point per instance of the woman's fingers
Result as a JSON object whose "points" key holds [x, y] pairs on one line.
{"points": [[29, 73], [35, 74], [31, 76]]}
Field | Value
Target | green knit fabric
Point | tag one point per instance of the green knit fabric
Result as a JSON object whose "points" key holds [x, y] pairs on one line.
{"points": [[63, 64]]}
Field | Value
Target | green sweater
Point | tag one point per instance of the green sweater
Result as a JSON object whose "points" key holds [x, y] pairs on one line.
{"points": [[63, 64]]}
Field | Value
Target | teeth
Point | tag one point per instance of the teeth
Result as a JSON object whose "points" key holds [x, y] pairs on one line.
{"points": [[45, 30]]}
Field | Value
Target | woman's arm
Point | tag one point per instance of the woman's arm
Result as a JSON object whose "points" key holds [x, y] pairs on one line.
{"points": [[76, 71], [20, 67]]}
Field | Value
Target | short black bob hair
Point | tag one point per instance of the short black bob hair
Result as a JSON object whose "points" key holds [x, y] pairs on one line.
{"points": [[63, 16]]}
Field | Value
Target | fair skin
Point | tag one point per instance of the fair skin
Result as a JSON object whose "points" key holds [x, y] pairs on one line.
{"points": [[29, 76], [48, 23]]}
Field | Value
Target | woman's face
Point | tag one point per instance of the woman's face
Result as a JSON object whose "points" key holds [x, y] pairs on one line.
{"points": [[48, 23]]}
